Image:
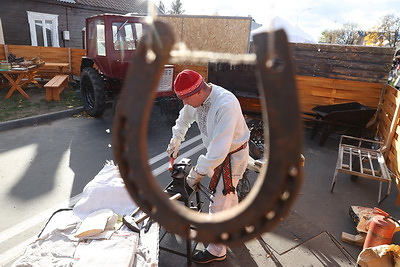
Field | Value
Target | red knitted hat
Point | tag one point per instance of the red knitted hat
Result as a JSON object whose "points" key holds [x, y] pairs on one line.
{"points": [[187, 83]]}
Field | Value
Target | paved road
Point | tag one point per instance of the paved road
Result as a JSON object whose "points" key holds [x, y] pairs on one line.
{"points": [[45, 167]]}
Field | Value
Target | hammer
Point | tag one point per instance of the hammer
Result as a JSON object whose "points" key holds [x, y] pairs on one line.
{"points": [[171, 163]]}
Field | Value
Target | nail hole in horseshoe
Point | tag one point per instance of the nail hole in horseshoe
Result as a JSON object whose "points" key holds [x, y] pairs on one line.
{"points": [[150, 56], [224, 236], [154, 210], [293, 171], [285, 195], [275, 63], [249, 229], [139, 192], [270, 215]]}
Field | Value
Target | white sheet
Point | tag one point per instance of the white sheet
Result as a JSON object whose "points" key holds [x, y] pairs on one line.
{"points": [[106, 191], [58, 246]]}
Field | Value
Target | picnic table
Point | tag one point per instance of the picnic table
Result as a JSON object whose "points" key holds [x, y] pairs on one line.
{"points": [[20, 77], [58, 65]]}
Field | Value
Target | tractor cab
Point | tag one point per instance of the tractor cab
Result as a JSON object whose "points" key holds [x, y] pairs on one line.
{"points": [[111, 41]]}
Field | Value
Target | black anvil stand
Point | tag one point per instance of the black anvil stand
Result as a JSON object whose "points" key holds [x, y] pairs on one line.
{"points": [[177, 185]]}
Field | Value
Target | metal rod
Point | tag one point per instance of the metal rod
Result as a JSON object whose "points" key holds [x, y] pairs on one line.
{"points": [[202, 189]]}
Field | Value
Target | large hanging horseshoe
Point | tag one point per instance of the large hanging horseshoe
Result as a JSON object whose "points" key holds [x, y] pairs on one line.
{"points": [[277, 186]]}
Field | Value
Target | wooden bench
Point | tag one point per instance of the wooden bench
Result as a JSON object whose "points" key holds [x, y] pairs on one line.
{"points": [[55, 86]]}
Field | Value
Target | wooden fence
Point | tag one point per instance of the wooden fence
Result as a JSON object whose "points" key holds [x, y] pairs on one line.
{"points": [[315, 91], [72, 56]]}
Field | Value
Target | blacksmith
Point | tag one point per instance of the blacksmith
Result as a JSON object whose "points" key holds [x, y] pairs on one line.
{"points": [[224, 133]]}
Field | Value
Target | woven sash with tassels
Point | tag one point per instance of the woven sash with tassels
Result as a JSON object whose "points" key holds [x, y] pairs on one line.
{"points": [[225, 170]]}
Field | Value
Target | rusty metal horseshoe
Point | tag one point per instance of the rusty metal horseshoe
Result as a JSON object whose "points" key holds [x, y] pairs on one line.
{"points": [[278, 185]]}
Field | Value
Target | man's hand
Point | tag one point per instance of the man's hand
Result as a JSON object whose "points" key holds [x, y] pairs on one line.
{"points": [[193, 179], [173, 147]]}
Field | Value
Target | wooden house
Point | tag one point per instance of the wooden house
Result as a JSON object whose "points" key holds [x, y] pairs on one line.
{"points": [[56, 23]]}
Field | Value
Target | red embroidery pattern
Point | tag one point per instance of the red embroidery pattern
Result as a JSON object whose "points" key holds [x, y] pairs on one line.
{"points": [[225, 170]]}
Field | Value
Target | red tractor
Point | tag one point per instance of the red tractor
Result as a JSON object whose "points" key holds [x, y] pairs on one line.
{"points": [[110, 43]]}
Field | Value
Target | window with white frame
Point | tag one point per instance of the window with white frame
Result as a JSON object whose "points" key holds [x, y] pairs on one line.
{"points": [[43, 28]]}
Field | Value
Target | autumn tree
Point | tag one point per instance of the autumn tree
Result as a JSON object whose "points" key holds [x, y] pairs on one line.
{"points": [[372, 37], [176, 7], [328, 36], [349, 34], [389, 28]]}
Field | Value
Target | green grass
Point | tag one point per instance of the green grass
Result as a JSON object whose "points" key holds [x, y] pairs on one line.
{"points": [[17, 106]]}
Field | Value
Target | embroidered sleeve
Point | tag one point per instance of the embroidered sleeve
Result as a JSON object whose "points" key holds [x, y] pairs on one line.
{"points": [[202, 112]]}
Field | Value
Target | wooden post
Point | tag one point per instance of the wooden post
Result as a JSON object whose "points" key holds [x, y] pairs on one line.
{"points": [[70, 63], [69, 60], [6, 51]]}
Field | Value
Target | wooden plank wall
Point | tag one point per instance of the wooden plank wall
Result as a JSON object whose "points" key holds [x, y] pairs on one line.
{"points": [[212, 33], [313, 91], [390, 100], [49, 54]]}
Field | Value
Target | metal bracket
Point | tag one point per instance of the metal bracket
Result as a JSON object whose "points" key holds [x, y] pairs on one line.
{"points": [[277, 186]]}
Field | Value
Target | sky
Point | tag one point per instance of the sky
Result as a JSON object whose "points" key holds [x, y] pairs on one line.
{"points": [[311, 16]]}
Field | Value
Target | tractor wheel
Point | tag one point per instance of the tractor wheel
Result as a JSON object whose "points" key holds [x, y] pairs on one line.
{"points": [[93, 93]]}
